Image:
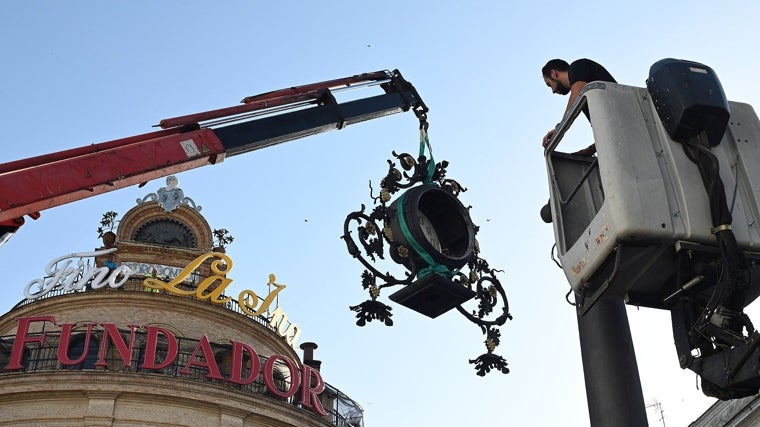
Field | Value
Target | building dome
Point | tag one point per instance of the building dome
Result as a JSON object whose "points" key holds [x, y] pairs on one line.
{"points": [[141, 332]]}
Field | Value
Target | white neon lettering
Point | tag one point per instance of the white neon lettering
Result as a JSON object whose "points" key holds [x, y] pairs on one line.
{"points": [[60, 275]]}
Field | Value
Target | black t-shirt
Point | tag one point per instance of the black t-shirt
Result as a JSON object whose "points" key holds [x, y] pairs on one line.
{"points": [[586, 70]]}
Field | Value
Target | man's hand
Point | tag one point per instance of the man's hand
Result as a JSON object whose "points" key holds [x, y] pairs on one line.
{"points": [[587, 152], [548, 137]]}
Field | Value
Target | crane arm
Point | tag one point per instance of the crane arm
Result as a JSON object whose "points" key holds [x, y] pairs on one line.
{"points": [[30, 185]]}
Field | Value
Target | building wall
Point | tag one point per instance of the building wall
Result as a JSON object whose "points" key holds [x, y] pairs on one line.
{"points": [[77, 398], [743, 412], [120, 398]]}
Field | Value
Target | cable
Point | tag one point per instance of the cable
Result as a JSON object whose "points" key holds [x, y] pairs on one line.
{"points": [[551, 255], [567, 298], [733, 277], [735, 167]]}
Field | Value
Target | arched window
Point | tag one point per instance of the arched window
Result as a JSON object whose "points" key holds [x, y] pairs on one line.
{"points": [[162, 352], [77, 348], [5, 353], [166, 231], [281, 381]]}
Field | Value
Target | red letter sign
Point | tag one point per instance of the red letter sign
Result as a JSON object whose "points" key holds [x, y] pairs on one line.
{"points": [[151, 345], [208, 357], [238, 349], [269, 376], [22, 337], [310, 389]]}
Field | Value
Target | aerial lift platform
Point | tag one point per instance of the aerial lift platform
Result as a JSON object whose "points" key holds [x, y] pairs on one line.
{"points": [[666, 215]]}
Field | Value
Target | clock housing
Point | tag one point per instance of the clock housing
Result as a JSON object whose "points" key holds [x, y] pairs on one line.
{"points": [[432, 223]]}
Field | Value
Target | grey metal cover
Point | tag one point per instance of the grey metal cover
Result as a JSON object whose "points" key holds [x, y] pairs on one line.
{"points": [[643, 189]]}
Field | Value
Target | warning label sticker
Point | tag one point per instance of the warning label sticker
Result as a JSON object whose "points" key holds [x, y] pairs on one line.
{"points": [[190, 149]]}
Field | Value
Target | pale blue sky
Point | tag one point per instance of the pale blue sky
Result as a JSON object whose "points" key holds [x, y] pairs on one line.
{"points": [[76, 73]]}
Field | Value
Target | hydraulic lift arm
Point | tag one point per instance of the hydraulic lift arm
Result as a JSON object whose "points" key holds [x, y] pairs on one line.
{"points": [[30, 185]]}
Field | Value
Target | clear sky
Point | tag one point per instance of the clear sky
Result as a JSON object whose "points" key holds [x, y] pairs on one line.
{"points": [[76, 73]]}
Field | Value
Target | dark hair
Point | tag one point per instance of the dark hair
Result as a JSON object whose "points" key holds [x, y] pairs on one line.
{"points": [[554, 64]]}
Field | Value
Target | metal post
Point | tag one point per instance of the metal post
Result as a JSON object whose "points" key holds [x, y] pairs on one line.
{"points": [[613, 386]]}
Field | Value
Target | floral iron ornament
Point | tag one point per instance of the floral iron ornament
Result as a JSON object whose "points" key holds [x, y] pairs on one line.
{"points": [[428, 231]]}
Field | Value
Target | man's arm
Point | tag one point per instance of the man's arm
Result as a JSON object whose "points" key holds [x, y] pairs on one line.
{"points": [[575, 89]]}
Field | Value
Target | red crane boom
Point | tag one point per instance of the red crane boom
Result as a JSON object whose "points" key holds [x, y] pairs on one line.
{"points": [[30, 185]]}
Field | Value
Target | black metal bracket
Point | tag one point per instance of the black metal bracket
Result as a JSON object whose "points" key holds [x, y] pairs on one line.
{"points": [[716, 349]]}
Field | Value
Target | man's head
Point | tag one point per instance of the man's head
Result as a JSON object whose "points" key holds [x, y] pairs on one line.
{"points": [[555, 76]]}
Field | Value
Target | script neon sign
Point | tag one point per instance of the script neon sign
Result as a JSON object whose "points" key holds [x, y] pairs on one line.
{"points": [[212, 289], [61, 275], [65, 275]]}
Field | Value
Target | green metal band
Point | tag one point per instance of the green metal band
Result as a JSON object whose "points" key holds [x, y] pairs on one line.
{"points": [[433, 267], [425, 142]]}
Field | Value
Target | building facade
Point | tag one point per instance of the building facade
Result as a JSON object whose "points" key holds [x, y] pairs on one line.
{"points": [[141, 332], [744, 412]]}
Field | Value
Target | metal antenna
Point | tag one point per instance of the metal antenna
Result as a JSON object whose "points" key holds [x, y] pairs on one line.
{"points": [[658, 408]]}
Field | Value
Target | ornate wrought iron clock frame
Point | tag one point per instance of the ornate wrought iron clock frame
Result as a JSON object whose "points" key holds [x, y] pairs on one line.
{"points": [[375, 232]]}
